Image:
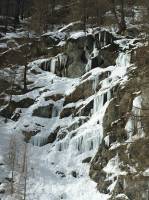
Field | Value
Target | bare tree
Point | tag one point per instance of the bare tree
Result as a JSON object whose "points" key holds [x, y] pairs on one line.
{"points": [[25, 170], [12, 161], [7, 14], [25, 79]]}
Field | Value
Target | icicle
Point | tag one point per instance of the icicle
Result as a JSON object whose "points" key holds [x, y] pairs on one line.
{"points": [[84, 143], [98, 103], [91, 145], [123, 62], [104, 98], [53, 64], [65, 144], [104, 40], [39, 140], [95, 83], [62, 60], [107, 140], [54, 111], [95, 50], [109, 95], [89, 65], [99, 36], [45, 66], [79, 143], [48, 65]]}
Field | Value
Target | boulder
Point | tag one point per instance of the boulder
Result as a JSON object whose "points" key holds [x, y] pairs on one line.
{"points": [[86, 110], [74, 174], [109, 55], [76, 59], [97, 61], [87, 160], [54, 97], [89, 44], [43, 111], [66, 112], [11, 107], [82, 91], [52, 137], [132, 32]]}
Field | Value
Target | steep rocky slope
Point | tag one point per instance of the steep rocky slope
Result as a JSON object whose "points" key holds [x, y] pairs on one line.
{"points": [[84, 116], [122, 159]]}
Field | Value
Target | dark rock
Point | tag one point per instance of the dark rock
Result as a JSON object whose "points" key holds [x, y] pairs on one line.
{"points": [[89, 43], [29, 134], [133, 32], [66, 112], [43, 111], [97, 61], [16, 116], [61, 174], [51, 39], [9, 110], [87, 160], [86, 110], [74, 174], [77, 124], [1, 164], [54, 97], [62, 134], [82, 91], [75, 63], [9, 179], [2, 191], [52, 137], [83, 58], [12, 43], [109, 55]]}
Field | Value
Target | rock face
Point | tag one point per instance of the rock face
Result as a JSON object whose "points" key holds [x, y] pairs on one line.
{"points": [[105, 109], [82, 52], [82, 91], [76, 62], [12, 105], [125, 149], [43, 111]]}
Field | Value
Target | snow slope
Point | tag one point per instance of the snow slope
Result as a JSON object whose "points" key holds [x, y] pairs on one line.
{"points": [[56, 171]]}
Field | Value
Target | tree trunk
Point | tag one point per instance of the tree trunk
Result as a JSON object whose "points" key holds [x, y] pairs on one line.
{"points": [[7, 15], [25, 79], [122, 22], [22, 9], [17, 13]]}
